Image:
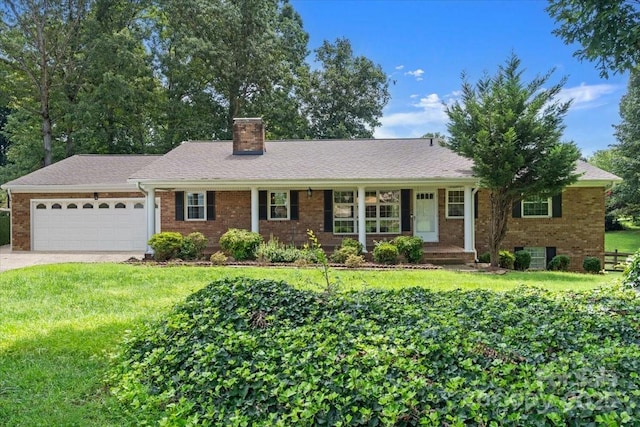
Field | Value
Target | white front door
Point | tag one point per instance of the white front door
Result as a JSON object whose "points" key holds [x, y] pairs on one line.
{"points": [[425, 206]]}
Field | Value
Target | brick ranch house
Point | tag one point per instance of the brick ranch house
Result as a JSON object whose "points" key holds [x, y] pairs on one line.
{"points": [[370, 190]]}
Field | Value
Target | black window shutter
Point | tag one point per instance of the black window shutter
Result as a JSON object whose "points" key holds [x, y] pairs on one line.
{"points": [[328, 210], [516, 209], [179, 205], [211, 205], [262, 204], [475, 205], [551, 252], [405, 209], [556, 206], [517, 248], [294, 213]]}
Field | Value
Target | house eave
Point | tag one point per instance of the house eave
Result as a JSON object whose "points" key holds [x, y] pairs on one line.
{"points": [[306, 183], [76, 188]]}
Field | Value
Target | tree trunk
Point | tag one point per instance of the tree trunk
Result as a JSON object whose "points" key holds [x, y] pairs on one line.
{"points": [[499, 215]]}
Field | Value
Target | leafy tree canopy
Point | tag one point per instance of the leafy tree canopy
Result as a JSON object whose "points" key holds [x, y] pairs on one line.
{"points": [[607, 30], [512, 131]]}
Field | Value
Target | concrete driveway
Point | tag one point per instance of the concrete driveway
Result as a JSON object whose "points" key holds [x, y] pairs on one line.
{"points": [[10, 260]]}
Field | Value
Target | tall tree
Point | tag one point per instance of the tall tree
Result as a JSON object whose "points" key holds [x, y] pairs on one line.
{"points": [[627, 160], [236, 53], [606, 29], [36, 39], [347, 93], [512, 131]]}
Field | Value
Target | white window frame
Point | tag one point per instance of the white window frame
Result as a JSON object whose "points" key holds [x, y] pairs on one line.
{"points": [[380, 204], [534, 250], [353, 206], [449, 203], [287, 205], [537, 199], [187, 205]]}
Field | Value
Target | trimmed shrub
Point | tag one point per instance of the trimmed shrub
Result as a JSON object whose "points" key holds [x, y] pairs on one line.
{"points": [[348, 242], [354, 261], [506, 260], [484, 258], [559, 263], [522, 261], [340, 255], [165, 245], [218, 258], [240, 244], [193, 246], [385, 253], [410, 247], [611, 223], [591, 264], [631, 274], [276, 251]]}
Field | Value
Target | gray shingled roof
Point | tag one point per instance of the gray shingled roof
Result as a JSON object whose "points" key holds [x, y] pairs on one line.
{"points": [[86, 170], [391, 159], [324, 160]]}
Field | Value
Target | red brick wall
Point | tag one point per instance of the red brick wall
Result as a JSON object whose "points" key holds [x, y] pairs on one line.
{"points": [[21, 212], [578, 233], [451, 230]]}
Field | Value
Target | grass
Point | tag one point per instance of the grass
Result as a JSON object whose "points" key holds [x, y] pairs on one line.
{"points": [[627, 240], [58, 324]]}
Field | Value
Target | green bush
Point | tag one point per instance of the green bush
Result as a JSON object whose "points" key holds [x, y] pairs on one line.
{"points": [[631, 274], [262, 353], [275, 251], [218, 258], [506, 259], [385, 253], [591, 264], [240, 244], [348, 242], [522, 261], [340, 255], [166, 245], [484, 258], [193, 246], [354, 261], [559, 263], [410, 247]]}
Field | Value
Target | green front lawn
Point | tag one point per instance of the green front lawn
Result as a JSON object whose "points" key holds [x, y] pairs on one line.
{"points": [[627, 241], [58, 323]]}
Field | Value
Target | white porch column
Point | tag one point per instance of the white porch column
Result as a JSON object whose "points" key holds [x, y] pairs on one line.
{"points": [[468, 219], [255, 210], [362, 214], [151, 216]]}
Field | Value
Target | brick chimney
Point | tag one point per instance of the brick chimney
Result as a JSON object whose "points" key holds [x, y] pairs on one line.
{"points": [[248, 136]]}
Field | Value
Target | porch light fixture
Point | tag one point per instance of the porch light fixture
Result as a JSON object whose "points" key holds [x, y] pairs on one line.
{"points": [[309, 192], [95, 196]]}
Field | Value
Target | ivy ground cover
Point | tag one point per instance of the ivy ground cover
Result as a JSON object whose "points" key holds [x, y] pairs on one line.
{"points": [[251, 352]]}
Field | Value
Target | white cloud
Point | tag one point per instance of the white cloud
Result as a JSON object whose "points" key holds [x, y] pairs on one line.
{"points": [[414, 95], [425, 115], [586, 96], [399, 67], [415, 73]]}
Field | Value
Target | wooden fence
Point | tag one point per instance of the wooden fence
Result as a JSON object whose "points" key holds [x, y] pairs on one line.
{"points": [[613, 260]]}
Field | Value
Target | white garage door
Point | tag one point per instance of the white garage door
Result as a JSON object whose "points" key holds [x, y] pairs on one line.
{"points": [[89, 225]]}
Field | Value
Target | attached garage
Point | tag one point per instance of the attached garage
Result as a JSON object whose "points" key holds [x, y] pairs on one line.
{"points": [[88, 225]]}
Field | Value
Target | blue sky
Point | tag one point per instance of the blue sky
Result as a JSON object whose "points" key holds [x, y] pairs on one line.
{"points": [[425, 45]]}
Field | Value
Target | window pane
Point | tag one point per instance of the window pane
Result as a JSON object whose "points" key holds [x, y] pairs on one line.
{"points": [[390, 196], [41, 206], [456, 210], [278, 212], [343, 226], [538, 258], [371, 226], [56, 206], [72, 206], [456, 196], [371, 211], [370, 197], [120, 206], [195, 212], [87, 206], [342, 211], [535, 206], [279, 198], [343, 197], [389, 211], [389, 226], [103, 206]]}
